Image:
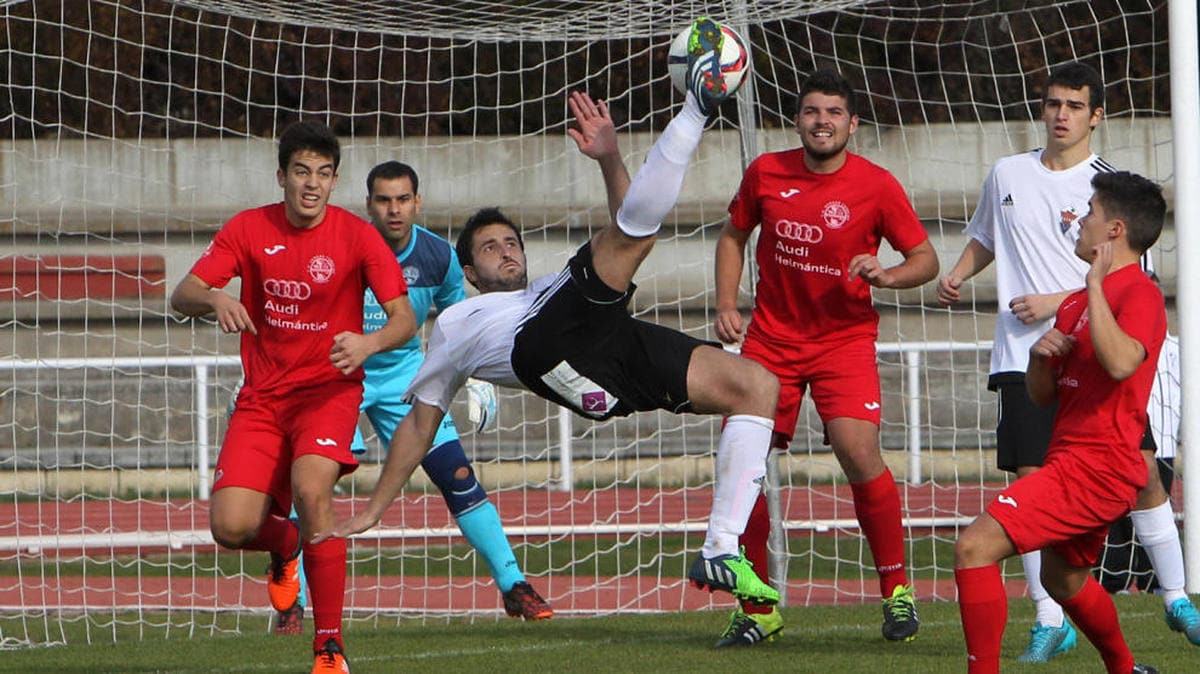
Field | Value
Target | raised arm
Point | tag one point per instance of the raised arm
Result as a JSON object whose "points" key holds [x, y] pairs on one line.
{"points": [[1119, 354], [596, 137]]}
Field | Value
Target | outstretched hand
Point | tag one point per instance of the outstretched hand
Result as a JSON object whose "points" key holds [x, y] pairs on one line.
{"points": [[359, 523], [596, 136]]}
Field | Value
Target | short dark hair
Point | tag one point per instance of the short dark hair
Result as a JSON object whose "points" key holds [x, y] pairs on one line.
{"points": [[1077, 75], [828, 82], [390, 170], [308, 135], [482, 218], [1136, 200]]}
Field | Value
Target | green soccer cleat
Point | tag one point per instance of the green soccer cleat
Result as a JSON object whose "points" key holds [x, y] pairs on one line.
{"points": [[732, 574], [900, 621], [705, 79], [748, 629], [1182, 616], [1045, 642]]}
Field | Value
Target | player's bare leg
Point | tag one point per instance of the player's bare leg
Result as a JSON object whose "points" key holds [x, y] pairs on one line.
{"points": [[241, 519], [1154, 525], [877, 506]]}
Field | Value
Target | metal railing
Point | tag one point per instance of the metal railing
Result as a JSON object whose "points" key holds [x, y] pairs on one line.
{"points": [[912, 356]]}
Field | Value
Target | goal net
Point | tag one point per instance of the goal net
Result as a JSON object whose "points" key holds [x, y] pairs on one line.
{"points": [[131, 129]]}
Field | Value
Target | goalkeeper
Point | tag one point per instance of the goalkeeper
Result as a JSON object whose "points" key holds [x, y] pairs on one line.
{"points": [[435, 280]]}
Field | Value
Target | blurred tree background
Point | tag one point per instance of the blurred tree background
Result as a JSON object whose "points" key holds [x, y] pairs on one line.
{"points": [[151, 68]]}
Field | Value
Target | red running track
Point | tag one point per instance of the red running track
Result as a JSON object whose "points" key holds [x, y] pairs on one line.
{"points": [[41, 586]]}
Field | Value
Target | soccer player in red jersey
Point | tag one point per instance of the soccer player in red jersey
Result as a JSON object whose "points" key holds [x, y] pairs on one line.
{"points": [[304, 266], [823, 212], [1097, 363]]}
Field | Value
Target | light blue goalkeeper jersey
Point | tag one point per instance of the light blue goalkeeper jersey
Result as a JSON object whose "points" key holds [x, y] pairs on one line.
{"points": [[435, 279]]}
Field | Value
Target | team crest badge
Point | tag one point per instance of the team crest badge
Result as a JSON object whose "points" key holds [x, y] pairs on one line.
{"points": [[320, 268], [1066, 218], [411, 274], [835, 214]]}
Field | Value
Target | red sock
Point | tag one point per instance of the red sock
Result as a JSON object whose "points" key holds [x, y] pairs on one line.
{"points": [[877, 506], [279, 535], [1094, 614], [325, 569], [983, 605], [755, 541]]}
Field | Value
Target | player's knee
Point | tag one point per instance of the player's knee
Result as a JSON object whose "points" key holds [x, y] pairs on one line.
{"points": [[311, 499], [451, 473], [969, 550], [233, 535], [760, 392]]}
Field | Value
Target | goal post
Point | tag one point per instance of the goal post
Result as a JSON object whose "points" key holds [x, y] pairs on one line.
{"points": [[130, 131]]}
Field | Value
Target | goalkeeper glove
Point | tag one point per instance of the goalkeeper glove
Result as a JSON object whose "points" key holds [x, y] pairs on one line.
{"points": [[481, 405]]}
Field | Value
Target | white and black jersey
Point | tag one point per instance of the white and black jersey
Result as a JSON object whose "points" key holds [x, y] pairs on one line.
{"points": [[473, 338], [1028, 217], [1166, 400]]}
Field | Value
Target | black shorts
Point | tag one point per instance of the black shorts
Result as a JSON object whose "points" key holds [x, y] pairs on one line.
{"points": [[1023, 430], [580, 348]]}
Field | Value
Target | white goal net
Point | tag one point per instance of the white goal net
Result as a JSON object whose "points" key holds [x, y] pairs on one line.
{"points": [[131, 129]]}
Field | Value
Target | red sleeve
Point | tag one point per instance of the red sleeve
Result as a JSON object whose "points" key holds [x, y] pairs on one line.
{"points": [[381, 271], [744, 213], [1140, 314], [901, 227], [222, 260]]}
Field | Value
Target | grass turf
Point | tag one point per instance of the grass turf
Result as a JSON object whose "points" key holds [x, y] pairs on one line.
{"points": [[826, 639]]}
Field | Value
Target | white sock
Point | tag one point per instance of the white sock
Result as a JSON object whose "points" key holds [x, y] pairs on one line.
{"points": [[656, 186], [741, 464], [1049, 613], [1155, 529]]}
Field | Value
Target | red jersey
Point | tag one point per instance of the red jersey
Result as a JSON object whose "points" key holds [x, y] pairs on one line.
{"points": [[301, 287], [813, 224], [1098, 416]]}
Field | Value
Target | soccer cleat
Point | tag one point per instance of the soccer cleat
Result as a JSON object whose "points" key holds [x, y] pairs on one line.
{"points": [[283, 581], [1182, 616], [522, 601], [900, 621], [704, 77], [330, 659], [290, 621], [747, 629], [1046, 642], [1143, 669], [733, 574]]}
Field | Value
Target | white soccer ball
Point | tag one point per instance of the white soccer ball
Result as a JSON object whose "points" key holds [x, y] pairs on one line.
{"points": [[735, 59]]}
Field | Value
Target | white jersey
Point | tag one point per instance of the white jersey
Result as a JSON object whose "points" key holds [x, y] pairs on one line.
{"points": [[1028, 218], [1166, 398], [473, 338]]}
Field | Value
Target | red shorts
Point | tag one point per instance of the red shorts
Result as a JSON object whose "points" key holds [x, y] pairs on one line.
{"points": [[843, 376], [1064, 506], [267, 432]]}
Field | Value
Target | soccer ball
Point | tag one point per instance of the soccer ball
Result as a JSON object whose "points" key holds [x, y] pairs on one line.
{"points": [[735, 59]]}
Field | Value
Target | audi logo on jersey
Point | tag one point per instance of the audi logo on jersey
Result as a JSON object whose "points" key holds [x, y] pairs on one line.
{"points": [[799, 231], [287, 290]]}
